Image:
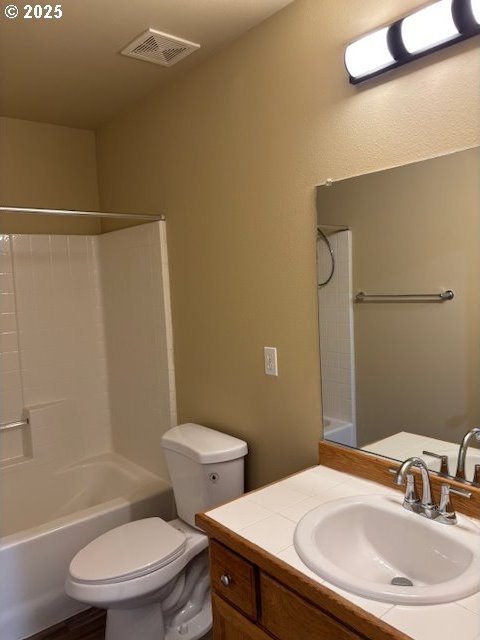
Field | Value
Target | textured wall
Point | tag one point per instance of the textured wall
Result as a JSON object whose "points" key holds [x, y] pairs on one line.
{"points": [[232, 153], [46, 166]]}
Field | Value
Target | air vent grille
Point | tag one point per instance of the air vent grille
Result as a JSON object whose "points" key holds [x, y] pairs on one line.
{"points": [[159, 48]]}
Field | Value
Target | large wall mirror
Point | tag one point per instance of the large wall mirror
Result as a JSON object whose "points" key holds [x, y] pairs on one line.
{"points": [[398, 255]]}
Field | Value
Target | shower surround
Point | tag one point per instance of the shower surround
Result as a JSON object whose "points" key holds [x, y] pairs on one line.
{"points": [[335, 303], [53, 349], [87, 357]]}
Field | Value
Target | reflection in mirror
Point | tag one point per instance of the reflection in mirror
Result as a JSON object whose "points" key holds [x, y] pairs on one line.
{"points": [[401, 361]]}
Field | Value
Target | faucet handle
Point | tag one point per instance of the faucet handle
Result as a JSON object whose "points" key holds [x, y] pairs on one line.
{"points": [[458, 492], [443, 461], [476, 474], [446, 514]]}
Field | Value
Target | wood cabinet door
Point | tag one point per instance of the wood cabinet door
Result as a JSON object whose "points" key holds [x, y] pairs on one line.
{"points": [[287, 616], [230, 624], [241, 591]]}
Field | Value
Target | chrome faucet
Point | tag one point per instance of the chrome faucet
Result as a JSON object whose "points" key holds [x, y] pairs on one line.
{"points": [[443, 512], [425, 507], [462, 453]]}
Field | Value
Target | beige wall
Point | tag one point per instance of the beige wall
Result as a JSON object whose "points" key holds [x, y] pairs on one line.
{"points": [[47, 166], [415, 229], [231, 154]]}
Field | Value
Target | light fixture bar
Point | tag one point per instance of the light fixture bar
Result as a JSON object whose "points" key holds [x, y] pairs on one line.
{"points": [[436, 26]]}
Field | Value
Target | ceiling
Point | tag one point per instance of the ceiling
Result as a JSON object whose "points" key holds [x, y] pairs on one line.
{"points": [[69, 71]]}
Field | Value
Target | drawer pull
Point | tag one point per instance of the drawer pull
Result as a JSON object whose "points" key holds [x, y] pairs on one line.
{"points": [[226, 580]]}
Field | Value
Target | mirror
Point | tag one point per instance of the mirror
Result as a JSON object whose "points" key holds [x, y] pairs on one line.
{"points": [[398, 254]]}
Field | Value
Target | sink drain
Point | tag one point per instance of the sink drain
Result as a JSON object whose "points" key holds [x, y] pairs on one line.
{"points": [[399, 581]]}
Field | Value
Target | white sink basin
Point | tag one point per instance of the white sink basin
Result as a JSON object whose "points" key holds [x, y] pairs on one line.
{"points": [[362, 543]]}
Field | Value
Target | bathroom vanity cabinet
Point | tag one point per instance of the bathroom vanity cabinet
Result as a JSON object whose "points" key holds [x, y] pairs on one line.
{"points": [[257, 597], [259, 593]]}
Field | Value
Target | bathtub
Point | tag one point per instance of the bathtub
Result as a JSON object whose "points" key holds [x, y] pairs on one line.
{"points": [[339, 431], [52, 516]]}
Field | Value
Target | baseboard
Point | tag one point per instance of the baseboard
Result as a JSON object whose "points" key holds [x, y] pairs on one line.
{"points": [[87, 625]]}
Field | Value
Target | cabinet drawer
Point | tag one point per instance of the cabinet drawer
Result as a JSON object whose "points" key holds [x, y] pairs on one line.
{"points": [[234, 579], [287, 616]]}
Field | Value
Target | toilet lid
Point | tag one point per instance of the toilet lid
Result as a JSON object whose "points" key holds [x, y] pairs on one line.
{"points": [[128, 551]]}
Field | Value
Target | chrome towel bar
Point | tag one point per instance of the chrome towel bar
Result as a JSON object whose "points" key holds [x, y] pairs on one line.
{"points": [[404, 297], [13, 425]]}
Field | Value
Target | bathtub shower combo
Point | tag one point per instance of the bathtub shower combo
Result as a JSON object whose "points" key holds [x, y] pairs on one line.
{"points": [[82, 420]]}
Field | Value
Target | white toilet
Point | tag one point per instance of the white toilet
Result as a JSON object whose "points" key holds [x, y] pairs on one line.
{"points": [[152, 576]]}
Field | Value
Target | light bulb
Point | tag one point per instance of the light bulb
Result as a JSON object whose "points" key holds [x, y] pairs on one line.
{"points": [[475, 4], [429, 27], [368, 54]]}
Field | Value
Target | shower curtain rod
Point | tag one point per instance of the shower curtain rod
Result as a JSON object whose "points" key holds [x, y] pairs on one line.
{"points": [[86, 214]]}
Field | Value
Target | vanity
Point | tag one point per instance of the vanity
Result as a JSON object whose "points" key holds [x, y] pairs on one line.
{"points": [[261, 589]]}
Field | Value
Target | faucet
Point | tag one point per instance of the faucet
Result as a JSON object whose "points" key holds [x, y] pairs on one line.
{"points": [[462, 453], [442, 513], [426, 506]]}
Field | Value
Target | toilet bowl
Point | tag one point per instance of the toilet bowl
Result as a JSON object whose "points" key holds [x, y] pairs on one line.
{"points": [[152, 576], [136, 572]]}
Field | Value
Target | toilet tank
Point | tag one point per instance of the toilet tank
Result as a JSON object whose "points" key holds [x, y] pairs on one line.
{"points": [[206, 468]]}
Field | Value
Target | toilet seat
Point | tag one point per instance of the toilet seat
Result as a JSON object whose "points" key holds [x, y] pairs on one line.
{"points": [[129, 551], [105, 593]]}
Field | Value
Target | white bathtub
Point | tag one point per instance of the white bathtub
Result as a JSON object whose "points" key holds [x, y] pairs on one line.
{"points": [[49, 517], [339, 431]]}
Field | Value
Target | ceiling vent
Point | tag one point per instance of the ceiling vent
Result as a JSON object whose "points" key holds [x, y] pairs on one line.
{"points": [[159, 48]]}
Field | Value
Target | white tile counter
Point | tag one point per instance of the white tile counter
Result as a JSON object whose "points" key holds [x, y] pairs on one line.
{"points": [[268, 518]]}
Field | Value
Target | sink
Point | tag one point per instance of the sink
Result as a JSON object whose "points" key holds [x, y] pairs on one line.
{"points": [[372, 546]]}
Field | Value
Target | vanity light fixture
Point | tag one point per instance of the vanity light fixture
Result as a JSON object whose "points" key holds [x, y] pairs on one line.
{"points": [[369, 54], [433, 27], [429, 27]]}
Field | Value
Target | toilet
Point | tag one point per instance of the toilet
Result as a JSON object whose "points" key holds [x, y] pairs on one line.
{"points": [[152, 576]]}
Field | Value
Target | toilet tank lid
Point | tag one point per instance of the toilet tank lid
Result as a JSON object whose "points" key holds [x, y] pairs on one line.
{"points": [[203, 445]]}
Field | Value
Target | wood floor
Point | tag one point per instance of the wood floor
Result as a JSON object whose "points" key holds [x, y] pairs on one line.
{"points": [[88, 625]]}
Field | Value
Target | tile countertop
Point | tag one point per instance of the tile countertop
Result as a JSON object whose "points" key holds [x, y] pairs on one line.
{"points": [[268, 518]]}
